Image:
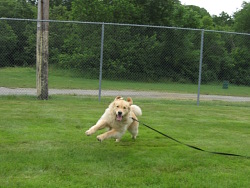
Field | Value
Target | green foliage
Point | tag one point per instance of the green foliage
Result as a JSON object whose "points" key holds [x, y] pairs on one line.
{"points": [[135, 53], [29, 49], [186, 17], [241, 74], [59, 13], [158, 12], [16, 9], [223, 21], [214, 53], [207, 22], [91, 10], [8, 42], [242, 18]]}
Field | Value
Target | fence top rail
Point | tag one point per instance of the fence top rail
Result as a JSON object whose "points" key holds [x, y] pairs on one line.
{"points": [[123, 24]]}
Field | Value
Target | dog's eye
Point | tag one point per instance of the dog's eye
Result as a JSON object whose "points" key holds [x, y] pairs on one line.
{"points": [[124, 107], [117, 106]]}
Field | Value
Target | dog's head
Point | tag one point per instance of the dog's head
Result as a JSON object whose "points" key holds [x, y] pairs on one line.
{"points": [[121, 108]]}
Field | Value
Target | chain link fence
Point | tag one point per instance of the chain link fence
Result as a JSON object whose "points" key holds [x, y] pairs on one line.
{"points": [[90, 56]]}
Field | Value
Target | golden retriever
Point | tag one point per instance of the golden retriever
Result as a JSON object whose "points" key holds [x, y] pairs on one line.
{"points": [[118, 118]]}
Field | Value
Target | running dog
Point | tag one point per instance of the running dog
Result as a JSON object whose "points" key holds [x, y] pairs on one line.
{"points": [[118, 118]]}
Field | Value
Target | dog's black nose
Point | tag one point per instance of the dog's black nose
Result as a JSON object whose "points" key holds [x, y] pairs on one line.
{"points": [[119, 113]]}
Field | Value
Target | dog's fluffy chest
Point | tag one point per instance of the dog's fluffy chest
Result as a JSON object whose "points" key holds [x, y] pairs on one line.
{"points": [[120, 124], [109, 116]]}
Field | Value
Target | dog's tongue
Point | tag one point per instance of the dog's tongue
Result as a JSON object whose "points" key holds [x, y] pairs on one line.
{"points": [[118, 117]]}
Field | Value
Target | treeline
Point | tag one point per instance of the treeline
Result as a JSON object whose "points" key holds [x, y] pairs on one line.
{"points": [[143, 53]]}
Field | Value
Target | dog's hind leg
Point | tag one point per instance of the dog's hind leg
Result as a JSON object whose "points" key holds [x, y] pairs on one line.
{"points": [[133, 129], [110, 134], [99, 125]]}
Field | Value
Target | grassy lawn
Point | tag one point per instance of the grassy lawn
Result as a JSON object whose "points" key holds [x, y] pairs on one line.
{"points": [[42, 144], [26, 78]]}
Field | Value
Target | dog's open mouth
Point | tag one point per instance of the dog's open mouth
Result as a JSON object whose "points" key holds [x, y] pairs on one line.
{"points": [[118, 117]]}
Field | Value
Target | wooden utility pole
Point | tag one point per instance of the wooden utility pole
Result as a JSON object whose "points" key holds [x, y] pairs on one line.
{"points": [[42, 50]]}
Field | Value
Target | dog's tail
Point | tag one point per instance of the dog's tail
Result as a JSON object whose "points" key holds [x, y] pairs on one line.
{"points": [[136, 109]]}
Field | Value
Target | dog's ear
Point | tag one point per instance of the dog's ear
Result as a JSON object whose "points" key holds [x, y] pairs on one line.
{"points": [[130, 101], [118, 97]]}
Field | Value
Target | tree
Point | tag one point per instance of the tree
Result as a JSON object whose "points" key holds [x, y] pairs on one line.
{"points": [[158, 12], [16, 9], [200, 11], [207, 22], [90, 10], [223, 21], [8, 41], [241, 59], [186, 17], [242, 18], [241, 56], [65, 3]]}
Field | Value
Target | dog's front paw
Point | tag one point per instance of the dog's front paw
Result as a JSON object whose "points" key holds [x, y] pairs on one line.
{"points": [[88, 132]]}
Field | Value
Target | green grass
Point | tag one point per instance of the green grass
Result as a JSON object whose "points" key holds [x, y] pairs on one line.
{"points": [[42, 144], [26, 78]]}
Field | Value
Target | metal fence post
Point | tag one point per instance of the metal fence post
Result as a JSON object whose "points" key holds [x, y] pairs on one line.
{"points": [[200, 67], [101, 62]]}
